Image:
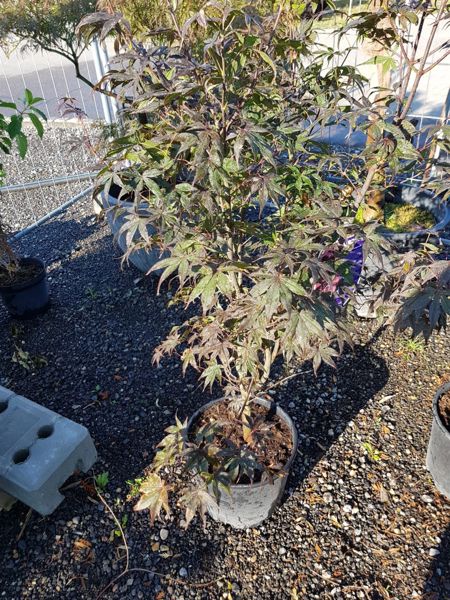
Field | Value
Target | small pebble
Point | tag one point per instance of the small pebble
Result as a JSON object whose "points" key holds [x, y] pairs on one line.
{"points": [[183, 572], [327, 498], [163, 534], [427, 499]]}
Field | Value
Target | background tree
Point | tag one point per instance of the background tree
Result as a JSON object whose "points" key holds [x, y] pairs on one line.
{"points": [[47, 25]]}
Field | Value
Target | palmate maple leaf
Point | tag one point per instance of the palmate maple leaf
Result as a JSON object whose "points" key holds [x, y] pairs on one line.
{"points": [[197, 499], [154, 496]]}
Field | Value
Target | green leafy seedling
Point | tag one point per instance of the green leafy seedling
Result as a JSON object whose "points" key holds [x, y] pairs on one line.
{"points": [[373, 453], [91, 293], [135, 486], [116, 532], [410, 347], [102, 480]]}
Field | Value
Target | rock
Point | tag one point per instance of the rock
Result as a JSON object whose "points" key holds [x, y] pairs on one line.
{"points": [[164, 534], [327, 498], [434, 552], [281, 550], [427, 499], [347, 508], [183, 572]]}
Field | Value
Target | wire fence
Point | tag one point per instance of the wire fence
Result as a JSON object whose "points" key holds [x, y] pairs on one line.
{"points": [[60, 166]]}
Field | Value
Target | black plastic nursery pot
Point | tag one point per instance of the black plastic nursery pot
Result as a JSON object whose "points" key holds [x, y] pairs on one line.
{"points": [[438, 454], [250, 504], [27, 298], [439, 235]]}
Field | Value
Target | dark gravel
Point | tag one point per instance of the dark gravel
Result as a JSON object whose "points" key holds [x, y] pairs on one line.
{"points": [[361, 518]]}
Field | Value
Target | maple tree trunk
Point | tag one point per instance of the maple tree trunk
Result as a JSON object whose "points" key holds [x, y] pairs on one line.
{"points": [[375, 198]]}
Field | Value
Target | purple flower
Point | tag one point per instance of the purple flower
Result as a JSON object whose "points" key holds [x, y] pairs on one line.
{"points": [[356, 257]]}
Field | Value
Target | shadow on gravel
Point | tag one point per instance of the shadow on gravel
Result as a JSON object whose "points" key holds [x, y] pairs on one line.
{"points": [[437, 583], [97, 339], [57, 239], [331, 401]]}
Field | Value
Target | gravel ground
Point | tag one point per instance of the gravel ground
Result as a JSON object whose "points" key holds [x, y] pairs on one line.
{"points": [[361, 518], [62, 150]]}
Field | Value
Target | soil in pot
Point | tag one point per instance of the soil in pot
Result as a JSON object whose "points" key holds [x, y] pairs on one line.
{"points": [[24, 290], [444, 409], [24, 272], [406, 218], [269, 439]]}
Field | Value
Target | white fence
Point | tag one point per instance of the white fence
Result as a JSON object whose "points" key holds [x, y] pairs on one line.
{"points": [[60, 166]]}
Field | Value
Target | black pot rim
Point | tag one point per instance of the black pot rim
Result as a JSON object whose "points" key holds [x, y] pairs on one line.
{"points": [[444, 388], [31, 282], [280, 412], [110, 202], [435, 231]]}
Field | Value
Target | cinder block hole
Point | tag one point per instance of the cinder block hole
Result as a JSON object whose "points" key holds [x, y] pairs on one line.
{"points": [[45, 431], [3, 405], [21, 456]]}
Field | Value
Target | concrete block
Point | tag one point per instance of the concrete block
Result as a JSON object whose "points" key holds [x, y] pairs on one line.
{"points": [[39, 451], [6, 501]]}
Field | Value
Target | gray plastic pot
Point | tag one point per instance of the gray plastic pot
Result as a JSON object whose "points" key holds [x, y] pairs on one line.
{"points": [[116, 212], [249, 505], [438, 454]]}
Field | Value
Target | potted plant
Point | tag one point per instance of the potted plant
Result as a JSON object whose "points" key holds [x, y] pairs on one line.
{"points": [[438, 454], [258, 241], [401, 153], [23, 280], [426, 305]]}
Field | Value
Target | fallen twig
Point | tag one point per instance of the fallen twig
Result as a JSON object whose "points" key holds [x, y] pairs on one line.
{"points": [[25, 523], [127, 569]]}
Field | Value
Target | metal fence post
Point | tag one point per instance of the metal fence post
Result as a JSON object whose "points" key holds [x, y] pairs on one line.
{"points": [[100, 63]]}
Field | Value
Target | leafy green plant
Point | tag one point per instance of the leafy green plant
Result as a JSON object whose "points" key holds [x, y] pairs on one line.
{"points": [[28, 362], [134, 485], [21, 356], [373, 454], [404, 217], [102, 480], [227, 172], [156, 15], [411, 346], [117, 532], [12, 117], [91, 293]]}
